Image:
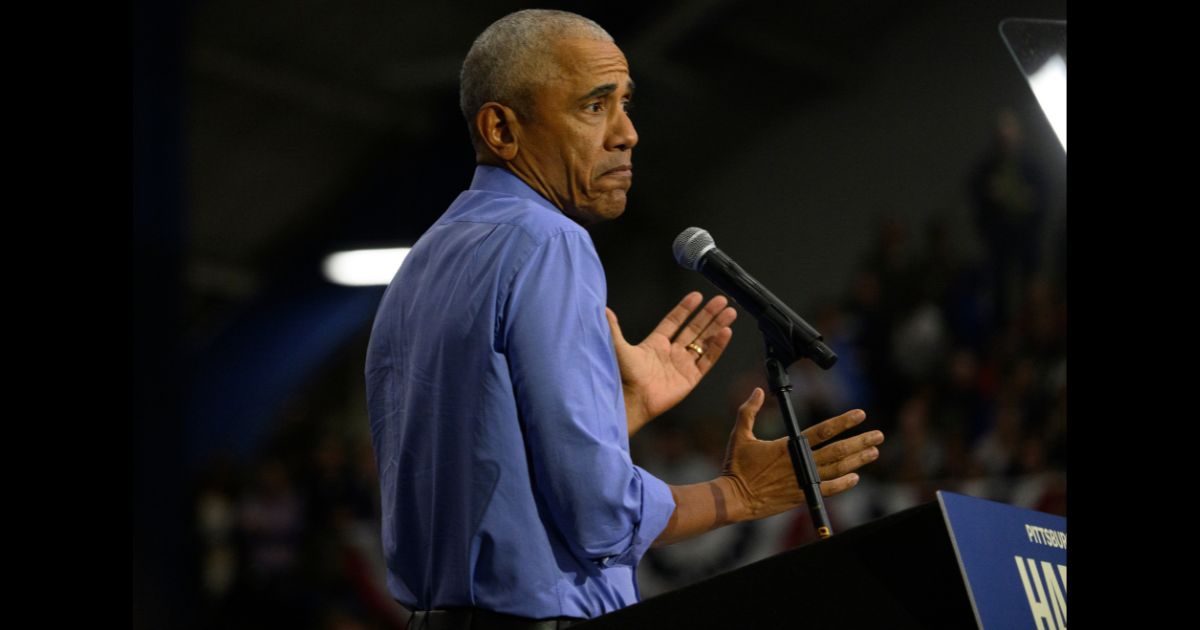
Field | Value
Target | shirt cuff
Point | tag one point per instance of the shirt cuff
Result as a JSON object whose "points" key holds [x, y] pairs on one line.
{"points": [[657, 507]]}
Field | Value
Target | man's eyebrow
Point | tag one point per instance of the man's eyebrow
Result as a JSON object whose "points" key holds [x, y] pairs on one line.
{"points": [[605, 90]]}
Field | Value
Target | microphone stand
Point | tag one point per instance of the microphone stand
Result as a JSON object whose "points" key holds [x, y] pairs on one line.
{"points": [[798, 447]]}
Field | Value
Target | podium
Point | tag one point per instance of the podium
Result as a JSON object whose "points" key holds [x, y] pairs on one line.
{"points": [[959, 562]]}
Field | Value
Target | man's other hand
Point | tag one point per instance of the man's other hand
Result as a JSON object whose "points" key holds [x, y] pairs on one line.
{"points": [[760, 472]]}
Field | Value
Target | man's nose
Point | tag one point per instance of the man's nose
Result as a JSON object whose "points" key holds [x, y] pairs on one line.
{"points": [[621, 134]]}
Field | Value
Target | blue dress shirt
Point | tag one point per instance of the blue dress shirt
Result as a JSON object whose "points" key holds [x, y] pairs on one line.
{"points": [[498, 419]]}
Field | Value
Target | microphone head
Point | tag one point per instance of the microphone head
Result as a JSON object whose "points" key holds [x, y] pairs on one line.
{"points": [[690, 247]]}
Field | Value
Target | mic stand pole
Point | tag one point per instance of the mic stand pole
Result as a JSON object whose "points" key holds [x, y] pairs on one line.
{"points": [[802, 459]]}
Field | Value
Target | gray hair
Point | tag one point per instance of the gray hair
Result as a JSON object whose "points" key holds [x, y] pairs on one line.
{"points": [[510, 58]]}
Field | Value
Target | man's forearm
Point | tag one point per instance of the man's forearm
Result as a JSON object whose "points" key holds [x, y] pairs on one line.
{"points": [[700, 508]]}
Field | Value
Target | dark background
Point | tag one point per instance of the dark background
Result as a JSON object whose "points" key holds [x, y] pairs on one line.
{"points": [[816, 141]]}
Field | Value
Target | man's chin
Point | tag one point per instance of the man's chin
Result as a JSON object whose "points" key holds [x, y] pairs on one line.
{"points": [[611, 206]]}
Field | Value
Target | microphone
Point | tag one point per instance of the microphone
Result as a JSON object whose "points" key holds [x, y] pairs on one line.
{"points": [[786, 332]]}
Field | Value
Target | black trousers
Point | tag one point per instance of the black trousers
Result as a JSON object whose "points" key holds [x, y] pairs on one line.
{"points": [[480, 619]]}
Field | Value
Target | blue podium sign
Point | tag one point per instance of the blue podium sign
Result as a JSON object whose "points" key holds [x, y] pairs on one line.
{"points": [[1013, 561]]}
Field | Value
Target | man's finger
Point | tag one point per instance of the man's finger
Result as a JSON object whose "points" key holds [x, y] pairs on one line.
{"points": [[839, 485], [849, 464], [722, 320], [713, 348], [702, 320], [826, 430], [845, 448], [678, 315]]}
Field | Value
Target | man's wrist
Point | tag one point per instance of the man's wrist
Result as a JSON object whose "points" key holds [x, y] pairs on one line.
{"points": [[635, 416], [733, 498]]}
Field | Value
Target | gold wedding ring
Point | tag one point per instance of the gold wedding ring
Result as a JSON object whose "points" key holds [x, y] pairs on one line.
{"points": [[695, 348]]}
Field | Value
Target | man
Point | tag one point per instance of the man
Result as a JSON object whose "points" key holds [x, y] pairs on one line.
{"points": [[502, 393]]}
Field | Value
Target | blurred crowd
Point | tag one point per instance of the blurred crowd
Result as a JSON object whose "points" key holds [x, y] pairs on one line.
{"points": [[959, 358], [292, 539]]}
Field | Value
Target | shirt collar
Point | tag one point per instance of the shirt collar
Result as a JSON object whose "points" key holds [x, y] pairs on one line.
{"points": [[500, 180]]}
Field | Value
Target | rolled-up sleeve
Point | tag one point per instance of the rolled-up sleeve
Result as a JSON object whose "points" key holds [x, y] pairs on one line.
{"points": [[555, 336]]}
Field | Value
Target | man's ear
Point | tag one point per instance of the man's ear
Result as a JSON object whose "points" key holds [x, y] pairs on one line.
{"points": [[496, 124]]}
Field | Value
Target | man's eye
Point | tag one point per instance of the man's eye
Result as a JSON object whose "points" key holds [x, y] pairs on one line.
{"points": [[595, 108], [628, 106]]}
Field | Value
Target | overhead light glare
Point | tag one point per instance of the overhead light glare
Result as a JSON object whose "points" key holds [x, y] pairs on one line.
{"points": [[364, 267], [1049, 85]]}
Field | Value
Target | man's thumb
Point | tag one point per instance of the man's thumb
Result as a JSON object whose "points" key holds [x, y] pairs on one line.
{"points": [[618, 338], [748, 412]]}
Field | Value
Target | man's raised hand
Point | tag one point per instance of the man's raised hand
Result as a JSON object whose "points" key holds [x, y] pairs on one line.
{"points": [[664, 368]]}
